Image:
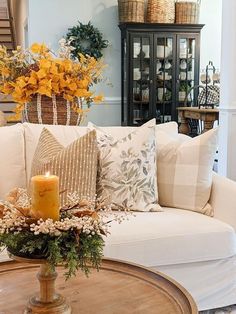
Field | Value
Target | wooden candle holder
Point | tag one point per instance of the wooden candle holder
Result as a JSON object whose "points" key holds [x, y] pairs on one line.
{"points": [[48, 301]]}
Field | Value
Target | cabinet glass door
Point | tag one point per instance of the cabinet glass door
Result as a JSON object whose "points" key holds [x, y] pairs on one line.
{"points": [[140, 78], [187, 71], [164, 73]]}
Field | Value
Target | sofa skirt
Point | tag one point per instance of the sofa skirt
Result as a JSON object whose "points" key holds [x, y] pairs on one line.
{"points": [[212, 284]]}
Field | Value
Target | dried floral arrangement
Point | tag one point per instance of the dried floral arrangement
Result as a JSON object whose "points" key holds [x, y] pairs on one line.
{"points": [[76, 240], [24, 74]]}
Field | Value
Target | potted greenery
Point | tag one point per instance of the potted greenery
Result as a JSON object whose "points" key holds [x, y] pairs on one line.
{"points": [[183, 90]]}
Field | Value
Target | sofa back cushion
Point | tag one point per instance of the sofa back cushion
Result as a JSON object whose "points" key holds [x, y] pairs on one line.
{"points": [[12, 158], [67, 134]]}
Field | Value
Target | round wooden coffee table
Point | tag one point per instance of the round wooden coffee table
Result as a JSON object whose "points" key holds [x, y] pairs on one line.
{"points": [[118, 288]]}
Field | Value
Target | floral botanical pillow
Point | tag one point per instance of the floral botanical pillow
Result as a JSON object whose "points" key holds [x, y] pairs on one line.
{"points": [[127, 169]]}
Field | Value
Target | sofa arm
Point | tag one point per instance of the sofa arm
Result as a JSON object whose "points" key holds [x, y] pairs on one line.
{"points": [[223, 199]]}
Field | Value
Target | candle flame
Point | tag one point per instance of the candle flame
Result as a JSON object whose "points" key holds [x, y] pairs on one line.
{"points": [[47, 174]]}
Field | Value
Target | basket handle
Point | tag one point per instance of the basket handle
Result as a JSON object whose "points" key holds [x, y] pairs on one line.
{"points": [[189, 92], [198, 1]]}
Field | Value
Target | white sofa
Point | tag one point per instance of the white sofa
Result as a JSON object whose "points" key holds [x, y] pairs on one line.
{"points": [[196, 250]]}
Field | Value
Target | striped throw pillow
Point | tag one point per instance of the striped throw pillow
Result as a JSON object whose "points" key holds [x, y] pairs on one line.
{"points": [[76, 164], [184, 173]]}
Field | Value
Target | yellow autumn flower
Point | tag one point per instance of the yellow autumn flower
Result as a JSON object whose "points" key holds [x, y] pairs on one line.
{"points": [[32, 80], [39, 48], [5, 72], [98, 99], [45, 64], [6, 88], [41, 74], [72, 86]]}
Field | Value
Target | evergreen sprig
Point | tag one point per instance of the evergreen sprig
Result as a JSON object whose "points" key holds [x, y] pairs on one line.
{"points": [[68, 249]]}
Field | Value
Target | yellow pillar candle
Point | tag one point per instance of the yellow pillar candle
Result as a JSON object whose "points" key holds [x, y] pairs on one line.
{"points": [[45, 196]]}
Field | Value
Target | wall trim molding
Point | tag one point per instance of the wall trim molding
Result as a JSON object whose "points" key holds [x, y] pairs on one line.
{"points": [[230, 109], [112, 100], [227, 143]]}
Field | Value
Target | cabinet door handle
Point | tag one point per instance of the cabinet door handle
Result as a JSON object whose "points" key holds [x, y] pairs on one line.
{"points": [[177, 81]]}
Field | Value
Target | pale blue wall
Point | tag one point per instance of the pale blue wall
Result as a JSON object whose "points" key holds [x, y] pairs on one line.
{"points": [[211, 16], [50, 19]]}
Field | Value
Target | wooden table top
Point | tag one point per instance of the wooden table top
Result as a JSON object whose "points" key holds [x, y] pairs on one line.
{"points": [[118, 288], [196, 109]]}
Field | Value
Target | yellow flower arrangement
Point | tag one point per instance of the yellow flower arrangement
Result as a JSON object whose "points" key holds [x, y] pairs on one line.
{"points": [[37, 70]]}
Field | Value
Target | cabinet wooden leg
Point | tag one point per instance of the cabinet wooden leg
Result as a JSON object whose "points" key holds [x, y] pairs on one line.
{"points": [[184, 126], [208, 125]]}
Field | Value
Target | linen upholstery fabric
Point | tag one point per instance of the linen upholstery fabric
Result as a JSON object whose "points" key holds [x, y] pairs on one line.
{"points": [[76, 165], [211, 283], [12, 159], [127, 169], [170, 128], [185, 173], [223, 199], [173, 236]]}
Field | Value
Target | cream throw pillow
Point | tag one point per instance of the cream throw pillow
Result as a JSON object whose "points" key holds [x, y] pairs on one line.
{"points": [[127, 169], [76, 165], [185, 172]]}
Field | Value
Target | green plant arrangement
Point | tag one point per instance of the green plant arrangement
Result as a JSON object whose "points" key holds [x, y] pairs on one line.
{"points": [[75, 240], [184, 87], [87, 40]]}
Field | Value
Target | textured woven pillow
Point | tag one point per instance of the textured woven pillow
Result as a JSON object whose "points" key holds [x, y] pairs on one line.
{"points": [[127, 169], [76, 165], [184, 173]]}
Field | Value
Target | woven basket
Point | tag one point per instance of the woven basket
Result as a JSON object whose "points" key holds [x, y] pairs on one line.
{"points": [[55, 110], [161, 11], [187, 12], [131, 10]]}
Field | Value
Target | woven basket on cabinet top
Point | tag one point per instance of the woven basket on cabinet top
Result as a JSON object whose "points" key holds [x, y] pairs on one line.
{"points": [[187, 12], [161, 11], [131, 10]]}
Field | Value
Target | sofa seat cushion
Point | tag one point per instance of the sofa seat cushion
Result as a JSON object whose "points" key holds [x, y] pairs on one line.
{"points": [[174, 236]]}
